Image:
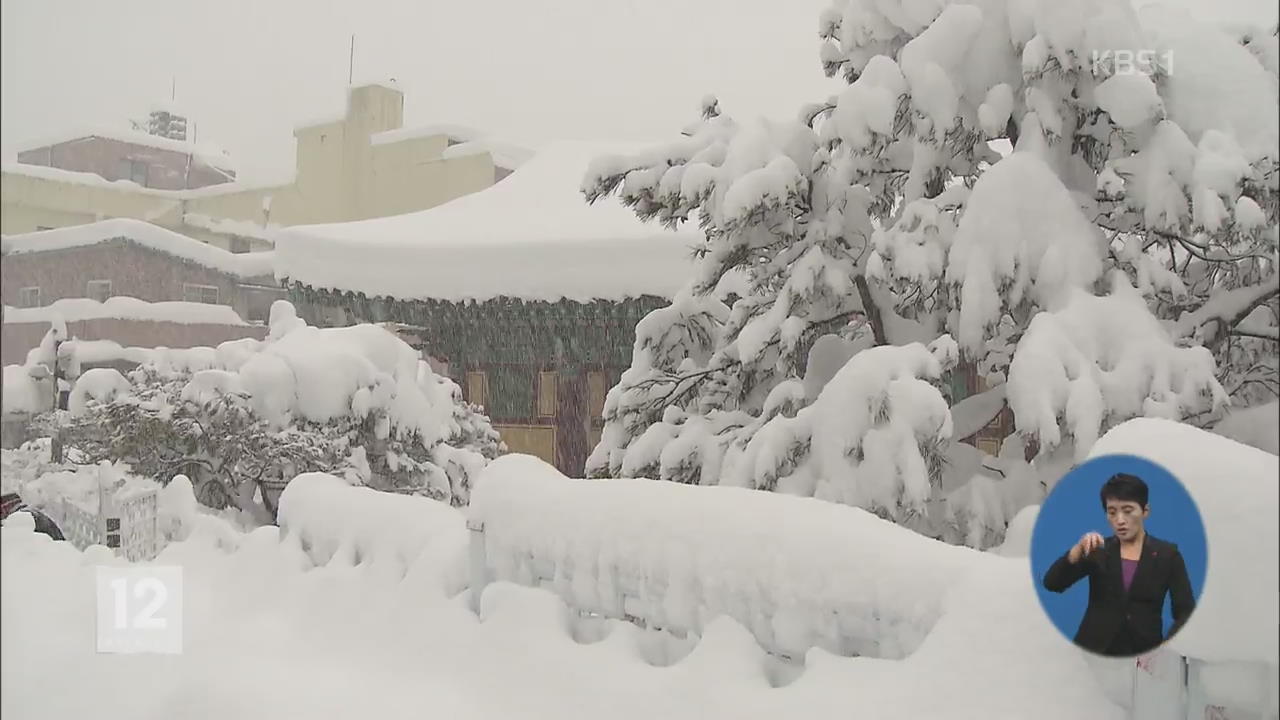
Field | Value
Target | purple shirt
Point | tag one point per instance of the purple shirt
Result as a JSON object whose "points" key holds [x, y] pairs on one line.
{"points": [[1128, 568]]}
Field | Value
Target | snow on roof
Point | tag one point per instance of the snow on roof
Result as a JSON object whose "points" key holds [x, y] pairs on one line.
{"points": [[125, 308], [243, 265], [532, 236], [318, 120], [338, 116], [505, 155], [388, 83], [460, 133], [243, 228], [209, 155], [45, 172]]}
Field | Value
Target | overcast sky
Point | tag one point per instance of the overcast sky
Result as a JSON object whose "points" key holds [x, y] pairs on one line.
{"points": [[249, 71], [527, 71]]}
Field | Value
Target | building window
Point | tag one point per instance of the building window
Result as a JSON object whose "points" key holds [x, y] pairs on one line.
{"points": [[133, 170], [477, 388], [29, 297], [98, 290], [512, 392], [207, 294], [961, 382], [258, 313], [138, 172], [547, 394], [989, 445]]}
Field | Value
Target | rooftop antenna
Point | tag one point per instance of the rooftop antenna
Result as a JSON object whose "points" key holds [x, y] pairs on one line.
{"points": [[351, 61]]}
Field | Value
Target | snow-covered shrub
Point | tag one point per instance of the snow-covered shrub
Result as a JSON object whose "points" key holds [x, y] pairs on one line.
{"points": [[29, 387], [97, 384], [27, 462], [891, 214], [354, 401], [176, 508]]}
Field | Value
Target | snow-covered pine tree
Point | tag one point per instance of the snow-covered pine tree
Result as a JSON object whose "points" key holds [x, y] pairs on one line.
{"points": [[1122, 261]]}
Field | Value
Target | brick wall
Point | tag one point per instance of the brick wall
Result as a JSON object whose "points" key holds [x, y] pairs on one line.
{"points": [[111, 159], [134, 271], [17, 339]]}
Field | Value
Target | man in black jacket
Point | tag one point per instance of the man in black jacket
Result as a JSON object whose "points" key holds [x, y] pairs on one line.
{"points": [[1129, 575]]}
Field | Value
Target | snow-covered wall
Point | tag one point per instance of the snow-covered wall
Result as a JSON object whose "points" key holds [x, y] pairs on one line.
{"points": [[797, 572]]}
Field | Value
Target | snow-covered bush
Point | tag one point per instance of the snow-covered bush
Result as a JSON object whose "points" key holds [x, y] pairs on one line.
{"points": [[29, 387], [1120, 261], [237, 419], [27, 462]]}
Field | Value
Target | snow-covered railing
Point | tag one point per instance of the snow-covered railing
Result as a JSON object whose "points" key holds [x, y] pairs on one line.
{"points": [[796, 572], [335, 522], [1230, 691], [1230, 648], [1168, 686], [79, 526]]}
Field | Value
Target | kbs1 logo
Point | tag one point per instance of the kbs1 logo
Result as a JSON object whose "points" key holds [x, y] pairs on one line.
{"points": [[1107, 63]]}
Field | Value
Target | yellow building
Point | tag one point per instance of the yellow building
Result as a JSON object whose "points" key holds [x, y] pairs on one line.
{"points": [[358, 166]]}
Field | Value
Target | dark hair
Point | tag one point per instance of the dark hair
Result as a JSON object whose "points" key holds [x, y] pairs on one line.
{"points": [[1126, 488]]}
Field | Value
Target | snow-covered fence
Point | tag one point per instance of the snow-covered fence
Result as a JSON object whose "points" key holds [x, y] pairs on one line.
{"points": [[335, 522], [796, 572], [1231, 650], [1231, 691], [1168, 686], [99, 506], [800, 573]]}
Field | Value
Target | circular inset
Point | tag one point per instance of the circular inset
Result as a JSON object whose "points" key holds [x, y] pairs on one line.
{"points": [[1119, 555]]}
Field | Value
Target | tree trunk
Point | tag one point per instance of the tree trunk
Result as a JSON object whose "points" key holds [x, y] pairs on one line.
{"points": [[871, 309]]}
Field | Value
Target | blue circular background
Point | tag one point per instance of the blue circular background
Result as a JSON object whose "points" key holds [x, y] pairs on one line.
{"points": [[1074, 508]]}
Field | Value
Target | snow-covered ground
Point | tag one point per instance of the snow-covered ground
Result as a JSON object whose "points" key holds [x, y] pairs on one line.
{"points": [[269, 633], [266, 638]]}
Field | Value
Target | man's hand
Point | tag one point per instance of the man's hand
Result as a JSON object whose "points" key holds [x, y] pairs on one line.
{"points": [[1089, 542]]}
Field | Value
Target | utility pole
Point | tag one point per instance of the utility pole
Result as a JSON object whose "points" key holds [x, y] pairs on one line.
{"points": [[351, 61]]}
